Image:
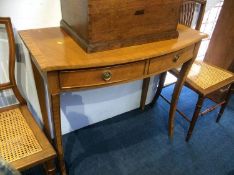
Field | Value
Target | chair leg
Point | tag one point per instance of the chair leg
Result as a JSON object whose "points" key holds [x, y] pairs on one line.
{"points": [[223, 106], [162, 79], [50, 167], [195, 116]]}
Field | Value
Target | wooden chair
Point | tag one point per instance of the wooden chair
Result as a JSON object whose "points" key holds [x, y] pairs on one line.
{"points": [[22, 142], [203, 78]]}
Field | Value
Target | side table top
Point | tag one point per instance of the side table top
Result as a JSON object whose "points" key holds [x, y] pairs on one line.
{"points": [[53, 49]]}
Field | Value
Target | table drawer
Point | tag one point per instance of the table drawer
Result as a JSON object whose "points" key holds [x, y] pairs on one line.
{"points": [[169, 61], [101, 76]]}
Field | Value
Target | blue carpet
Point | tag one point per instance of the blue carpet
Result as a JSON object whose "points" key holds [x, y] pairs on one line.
{"points": [[136, 143]]}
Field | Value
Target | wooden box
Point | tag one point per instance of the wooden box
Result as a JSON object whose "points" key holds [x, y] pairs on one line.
{"points": [[107, 24]]}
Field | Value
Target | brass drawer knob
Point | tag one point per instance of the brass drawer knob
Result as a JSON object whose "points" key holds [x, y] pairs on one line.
{"points": [[107, 76], [176, 58]]}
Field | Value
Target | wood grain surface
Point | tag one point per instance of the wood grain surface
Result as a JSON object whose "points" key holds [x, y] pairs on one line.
{"points": [[104, 25], [53, 49]]}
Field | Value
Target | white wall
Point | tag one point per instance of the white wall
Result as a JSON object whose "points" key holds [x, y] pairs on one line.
{"points": [[78, 109], [28, 14]]}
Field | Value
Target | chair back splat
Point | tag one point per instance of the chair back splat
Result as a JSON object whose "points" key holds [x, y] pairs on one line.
{"points": [[6, 23], [187, 12]]}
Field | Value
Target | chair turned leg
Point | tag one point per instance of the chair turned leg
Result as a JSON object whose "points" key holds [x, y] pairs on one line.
{"points": [[162, 79], [50, 168], [195, 116], [223, 106]]}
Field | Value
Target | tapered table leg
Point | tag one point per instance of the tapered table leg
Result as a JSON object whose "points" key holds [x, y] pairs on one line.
{"points": [[144, 92], [54, 94], [55, 100], [162, 79], [54, 91], [41, 92], [177, 89]]}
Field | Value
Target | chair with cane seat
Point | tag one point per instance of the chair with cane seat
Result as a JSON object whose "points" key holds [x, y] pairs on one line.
{"points": [[22, 142], [203, 78]]}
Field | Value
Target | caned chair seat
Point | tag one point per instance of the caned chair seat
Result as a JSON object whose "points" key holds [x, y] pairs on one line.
{"points": [[205, 78], [17, 139], [22, 142]]}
